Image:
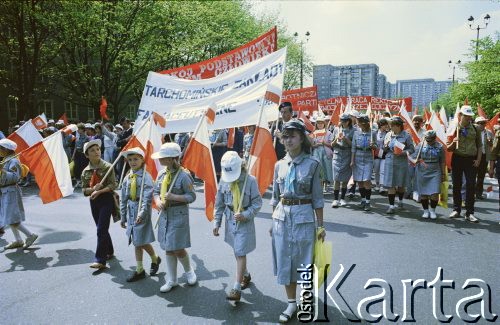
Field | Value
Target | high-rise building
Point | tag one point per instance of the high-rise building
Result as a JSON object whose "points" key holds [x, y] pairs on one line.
{"points": [[365, 80], [348, 80], [422, 91]]}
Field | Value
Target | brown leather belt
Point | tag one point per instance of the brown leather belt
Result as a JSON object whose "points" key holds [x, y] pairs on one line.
{"points": [[170, 205], [295, 201]]}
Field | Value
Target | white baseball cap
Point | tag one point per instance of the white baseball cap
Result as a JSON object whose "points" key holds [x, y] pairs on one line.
{"points": [[89, 144], [466, 110], [133, 151], [8, 144], [169, 149], [230, 166]]}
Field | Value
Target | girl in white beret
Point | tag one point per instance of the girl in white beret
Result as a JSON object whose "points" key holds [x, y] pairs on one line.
{"points": [[11, 203]]}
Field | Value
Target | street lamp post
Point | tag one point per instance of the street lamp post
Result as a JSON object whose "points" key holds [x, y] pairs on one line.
{"points": [[471, 21], [302, 57], [453, 65]]}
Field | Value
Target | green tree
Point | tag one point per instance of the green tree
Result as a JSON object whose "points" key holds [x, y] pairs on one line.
{"points": [[483, 79]]}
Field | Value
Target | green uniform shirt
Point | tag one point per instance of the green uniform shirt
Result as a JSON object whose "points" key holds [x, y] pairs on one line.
{"points": [[469, 141], [495, 150], [102, 169]]}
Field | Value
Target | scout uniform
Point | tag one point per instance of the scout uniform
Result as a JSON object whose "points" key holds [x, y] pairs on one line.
{"points": [[103, 205], [323, 153], [462, 160], [240, 235], [396, 167], [11, 204], [142, 233], [341, 164], [379, 159], [495, 159], [173, 228], [296, 193], [428, 168], [363, 155]]}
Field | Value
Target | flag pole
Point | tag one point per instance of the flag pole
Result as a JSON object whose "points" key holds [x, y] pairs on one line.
{"points": [[180, 164], [249, 163]]}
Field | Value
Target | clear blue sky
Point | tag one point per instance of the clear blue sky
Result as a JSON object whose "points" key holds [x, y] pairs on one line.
{"points": [[406, 39]]}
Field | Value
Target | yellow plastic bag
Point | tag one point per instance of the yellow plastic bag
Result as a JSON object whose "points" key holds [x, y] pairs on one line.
{"points": [[322, 260], [443, 194], [24, 170], [72, 168]]}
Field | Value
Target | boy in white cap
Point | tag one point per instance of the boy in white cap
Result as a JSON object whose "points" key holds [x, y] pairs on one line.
{"points": [[239, 221], [465, 160], [173, 191], [137, 219], [11, 204]]}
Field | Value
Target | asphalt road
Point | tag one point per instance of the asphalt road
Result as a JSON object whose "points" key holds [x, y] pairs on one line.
{"points": [[51, 282]]}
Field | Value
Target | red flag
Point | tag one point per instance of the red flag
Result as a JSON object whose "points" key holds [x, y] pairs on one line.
{"points": [[102, 108], [198, 159], [335, 118], [427, 115], [230, 138], [262, 154], [409, 125], [64, 118], [210, 114], [491, 124], [159, 120], [480, 111], [303, 117]]}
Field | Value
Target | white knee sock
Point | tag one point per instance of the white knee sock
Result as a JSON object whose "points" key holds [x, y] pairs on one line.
{"points": [[16, 233], [171, 268], [24, 230], [185, 263], [292, 307]]}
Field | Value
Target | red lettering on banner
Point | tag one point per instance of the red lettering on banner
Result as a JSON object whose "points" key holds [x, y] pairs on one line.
{"points": [[253, 50]]}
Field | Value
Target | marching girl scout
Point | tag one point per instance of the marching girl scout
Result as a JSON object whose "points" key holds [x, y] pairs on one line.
{"points": [[322, 143], [429, 172], [379, 157], [341, 163], [173, 191], [362, 159], [396, 173], [137, 220], [297, 201], [101, 199], [239, 226], [11, 204]]}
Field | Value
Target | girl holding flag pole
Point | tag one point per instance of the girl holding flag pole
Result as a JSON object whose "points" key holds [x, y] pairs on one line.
{"points": [[135, 211], [11, 204], [429, 172], [239, 200], [397, 144], [173, 191]]}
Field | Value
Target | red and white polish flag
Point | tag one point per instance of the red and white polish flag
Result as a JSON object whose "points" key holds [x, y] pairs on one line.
{"points": [[198, 159], [262, 155], [26, 136], [49, 163]]}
